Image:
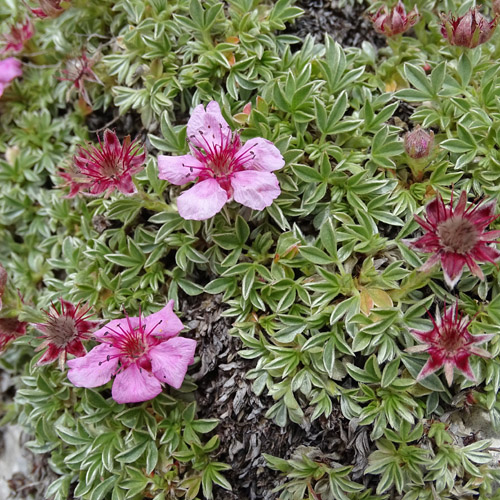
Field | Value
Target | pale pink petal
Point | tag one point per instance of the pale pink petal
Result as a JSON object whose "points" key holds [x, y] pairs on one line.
{"points": [[114, 326], [179, 169], [448, 372], [255, 189], [95, 368], [126, 185], [171, 359], [10, 68], [205, 128], [266, 156], [481, 339], [202, 201], [452, 267], [134, 385], [164, 323]]}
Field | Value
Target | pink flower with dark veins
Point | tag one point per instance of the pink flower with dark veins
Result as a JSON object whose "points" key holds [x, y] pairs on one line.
{"points": [[10, 68], [457, 237], [449, 344], [222, 167], [395, 21], [17, 36], [469, 30], [64, 331], [142, 353], [110, 166]]}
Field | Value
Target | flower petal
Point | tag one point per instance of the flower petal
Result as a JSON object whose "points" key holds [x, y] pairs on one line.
{"points": [[484, 253], [179, 169], [430, 263], [164, 323], [204, 128], [461, 362], [10, 68], [267, 156], [202, 201], [255, 189], [114, 326], [76, 348], [171, 359], [126, 185], [50, 355], [134, 385], [95, 368], [452, 267], [433, 364]]}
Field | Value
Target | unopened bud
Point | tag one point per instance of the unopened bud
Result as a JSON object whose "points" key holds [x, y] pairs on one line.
{"points": [[469, 30], [419, 143], [395, 21]]}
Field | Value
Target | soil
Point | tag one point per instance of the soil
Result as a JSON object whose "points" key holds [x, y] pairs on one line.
{"points": [[224, 393], [347, 24]]}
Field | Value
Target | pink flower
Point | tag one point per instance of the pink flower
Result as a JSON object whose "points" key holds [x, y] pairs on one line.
{"points": [[143, 353], [79, 70], [223, 168], [395, 21], [10, 329], [48, 8], [469, 30], [449, 344], [10, 68], [110, 166], [18, 35], [456, 237], [64, 331]]}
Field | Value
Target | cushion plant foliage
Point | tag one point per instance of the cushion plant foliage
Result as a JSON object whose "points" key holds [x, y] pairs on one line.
{"points": [[308, 214]]}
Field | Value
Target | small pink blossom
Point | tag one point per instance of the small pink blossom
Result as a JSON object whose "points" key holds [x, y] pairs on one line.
{"points": [[63, 332], [10, 68], [223, 168], [79, 70], [449, 344], [457, 237], [141, 352], [110, 166], [469, 30], [10, 329], [17, 36], [395, 21], [48, 8]]}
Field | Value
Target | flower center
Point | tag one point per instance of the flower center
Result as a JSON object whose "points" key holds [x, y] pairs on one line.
{"points": [[452, 340], [457, 235], [133, 343], [61, 331]]}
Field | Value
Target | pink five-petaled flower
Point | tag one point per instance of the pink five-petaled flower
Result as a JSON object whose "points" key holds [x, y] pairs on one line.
{"points": [[17, 36], [469, 30], [395, 21], [456, 237], [449, 344], [64, 331], [10, 68], [96, 170], [223, 167], [148, 351]]}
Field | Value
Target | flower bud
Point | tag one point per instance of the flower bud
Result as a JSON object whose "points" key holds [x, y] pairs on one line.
{"points": [[419, 143], [469, 30], [395, 21], [496, 7], [48, 8]]}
